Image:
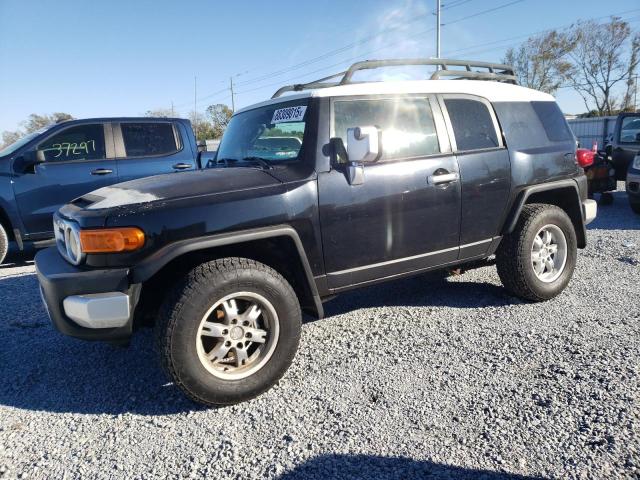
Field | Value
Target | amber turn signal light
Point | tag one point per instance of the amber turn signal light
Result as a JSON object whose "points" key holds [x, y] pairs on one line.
{"points": [[111, 240]]}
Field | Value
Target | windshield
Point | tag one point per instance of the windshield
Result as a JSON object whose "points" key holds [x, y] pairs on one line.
{"points": [[12, 147], [274, 134], [630, 131]]}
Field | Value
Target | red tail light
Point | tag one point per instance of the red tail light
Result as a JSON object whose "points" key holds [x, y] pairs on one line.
{"points": [[584, 157]]}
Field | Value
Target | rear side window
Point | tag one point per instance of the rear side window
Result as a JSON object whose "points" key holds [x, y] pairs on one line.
{"points": [[82, 142], [553, 122], [148, 139], [472, 124], [407, 125]]}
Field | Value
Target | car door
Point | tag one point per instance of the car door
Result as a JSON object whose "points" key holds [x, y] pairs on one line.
{"points": [[405, 215], [146, 148], [77, 160], [485, 170]]}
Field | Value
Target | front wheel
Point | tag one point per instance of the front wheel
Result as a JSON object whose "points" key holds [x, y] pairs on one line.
{"points": [[229, 331], [536, 261]]}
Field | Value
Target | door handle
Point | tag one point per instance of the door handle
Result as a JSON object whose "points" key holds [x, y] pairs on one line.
{"points": [[443, 178], [101, 171], [182, 166]]}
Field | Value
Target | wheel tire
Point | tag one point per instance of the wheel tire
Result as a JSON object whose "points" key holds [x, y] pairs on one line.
{"points": [[606, 198], [4, 244], [514, 256], [635, 206], [179, 330]]}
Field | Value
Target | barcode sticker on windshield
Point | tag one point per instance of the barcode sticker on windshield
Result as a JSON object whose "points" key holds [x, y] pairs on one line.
{"points": [[289, 114]]}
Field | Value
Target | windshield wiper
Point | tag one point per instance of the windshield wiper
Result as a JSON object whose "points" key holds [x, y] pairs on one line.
{"points": [[250, 160]]}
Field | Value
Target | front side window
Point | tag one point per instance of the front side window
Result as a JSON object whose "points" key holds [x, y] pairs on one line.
{"points": [[472, 124], [407, 125], [630, 130], [82, 142], [148, 139], [271, 134]]}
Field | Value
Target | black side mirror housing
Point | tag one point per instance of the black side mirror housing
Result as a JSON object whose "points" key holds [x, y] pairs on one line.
{"points": [[27, 162]]}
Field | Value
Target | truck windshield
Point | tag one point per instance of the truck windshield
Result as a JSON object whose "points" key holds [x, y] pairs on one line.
{"points": [[272, 134], [12, 147]]}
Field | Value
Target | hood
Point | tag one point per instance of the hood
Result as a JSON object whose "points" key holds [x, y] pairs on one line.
{"points": [[173, 186]]}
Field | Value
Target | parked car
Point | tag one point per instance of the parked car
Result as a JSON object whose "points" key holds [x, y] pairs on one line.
{"points": [[633, 184], [625, 143], [601, 174], [48, 168], [391, 179]]}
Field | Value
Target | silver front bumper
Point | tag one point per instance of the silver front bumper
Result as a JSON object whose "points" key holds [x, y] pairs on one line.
{"points": [[98, 310], [589, 211]]}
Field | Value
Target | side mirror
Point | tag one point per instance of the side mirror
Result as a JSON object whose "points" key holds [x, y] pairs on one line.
{"points": [[27, 162], [363, 144]]}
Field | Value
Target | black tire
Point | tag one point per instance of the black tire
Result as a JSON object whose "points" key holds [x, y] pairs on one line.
{"points": [[606, 198], [635, 205], [184, 310], [4, 244], [513, 257]]}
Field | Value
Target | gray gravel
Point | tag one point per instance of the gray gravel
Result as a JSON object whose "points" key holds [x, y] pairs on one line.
{"points": [[421, 378]]}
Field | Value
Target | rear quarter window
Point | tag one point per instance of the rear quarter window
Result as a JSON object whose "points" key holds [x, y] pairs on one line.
{"points": [[553, 121]]}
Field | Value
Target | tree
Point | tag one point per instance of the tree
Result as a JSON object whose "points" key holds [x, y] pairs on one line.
{"points": [[31, 124], [541, 62], [202, 129], [159, 113], [605, 55], [219, 115]]}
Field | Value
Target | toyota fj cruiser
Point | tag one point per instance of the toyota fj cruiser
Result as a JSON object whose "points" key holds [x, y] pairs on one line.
{"points": [[383, 180]]}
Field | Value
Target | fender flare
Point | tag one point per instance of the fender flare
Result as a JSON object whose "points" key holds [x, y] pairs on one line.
{"points": [[157, 260], [514, 215]]}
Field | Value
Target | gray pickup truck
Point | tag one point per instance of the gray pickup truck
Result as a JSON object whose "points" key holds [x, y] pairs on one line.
{"points": [[46, 169]]}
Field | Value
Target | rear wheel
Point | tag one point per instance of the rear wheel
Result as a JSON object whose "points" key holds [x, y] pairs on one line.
{"points": [[229, 331], [536, 261], [4, 243]]}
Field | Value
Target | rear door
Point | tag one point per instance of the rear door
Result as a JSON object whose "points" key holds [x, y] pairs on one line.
{"points": [[78, 159], [405, 216], [485, 170], [144, 149]]}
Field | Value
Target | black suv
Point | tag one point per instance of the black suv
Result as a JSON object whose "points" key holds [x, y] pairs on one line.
{"points": [[338, 185]]}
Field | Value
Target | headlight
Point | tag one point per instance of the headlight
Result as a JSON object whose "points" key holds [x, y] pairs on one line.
{"points": [[636, 162], [72, 241]]}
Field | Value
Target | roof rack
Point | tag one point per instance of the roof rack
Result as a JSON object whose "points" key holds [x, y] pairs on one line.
{"points": [[490, 71]]}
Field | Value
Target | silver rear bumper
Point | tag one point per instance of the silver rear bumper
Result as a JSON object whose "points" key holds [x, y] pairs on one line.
{"points": [[98, 310]]}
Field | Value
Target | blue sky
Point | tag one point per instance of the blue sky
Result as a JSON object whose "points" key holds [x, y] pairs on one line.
{"points": [[126, 57]]}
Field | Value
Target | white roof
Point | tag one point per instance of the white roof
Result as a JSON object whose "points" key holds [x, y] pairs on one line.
{"points": [[492, 91]]}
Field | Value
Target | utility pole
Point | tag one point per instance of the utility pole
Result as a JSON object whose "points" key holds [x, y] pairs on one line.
{"points": [[438, 29], [233, 100], [195, 105], [172, 111]]}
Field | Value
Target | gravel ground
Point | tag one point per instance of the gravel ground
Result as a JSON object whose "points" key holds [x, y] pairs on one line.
{"points": [[421, 378]]}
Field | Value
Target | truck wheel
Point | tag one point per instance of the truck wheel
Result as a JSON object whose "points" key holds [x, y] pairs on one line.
{"points": [[229, 331], [4, 244], [536, 261], [635, 205]]}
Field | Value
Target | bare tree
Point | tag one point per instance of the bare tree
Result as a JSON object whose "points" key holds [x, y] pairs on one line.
{"points": [[601, 62], [31, 124], [542, 62]]}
